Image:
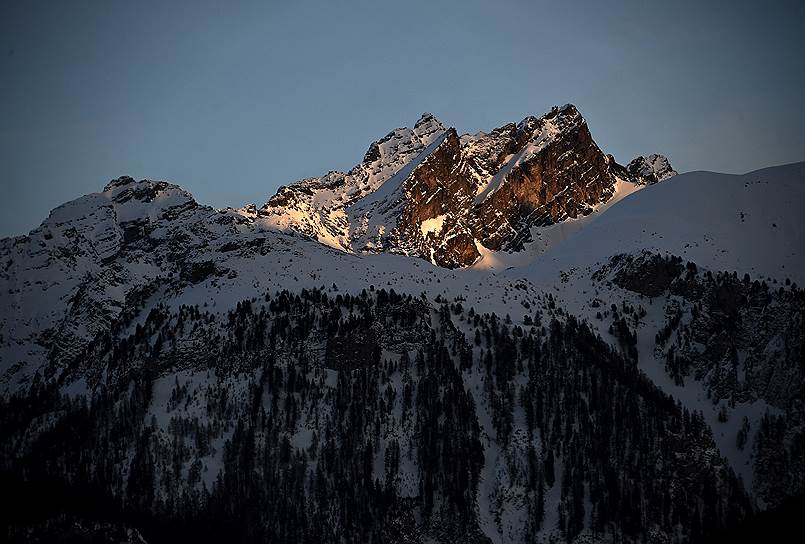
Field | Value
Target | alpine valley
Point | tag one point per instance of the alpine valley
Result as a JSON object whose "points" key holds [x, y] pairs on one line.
{"points": [[496, 337]]}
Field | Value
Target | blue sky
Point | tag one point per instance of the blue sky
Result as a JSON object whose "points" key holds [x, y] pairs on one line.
{"points": [[231, 100]]}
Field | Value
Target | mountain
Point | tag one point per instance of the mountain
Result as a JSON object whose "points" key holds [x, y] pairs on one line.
{"points": [[429, 193], [503, 337]]}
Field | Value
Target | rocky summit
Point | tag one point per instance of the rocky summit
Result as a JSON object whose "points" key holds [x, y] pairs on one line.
{"points": [[430, 193]]}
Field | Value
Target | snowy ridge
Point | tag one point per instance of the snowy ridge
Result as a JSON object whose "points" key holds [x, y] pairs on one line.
{"points": [[749, 223], [317, 206]]}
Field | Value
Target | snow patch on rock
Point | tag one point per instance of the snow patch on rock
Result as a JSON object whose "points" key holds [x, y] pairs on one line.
{"points": [[434, 225]]}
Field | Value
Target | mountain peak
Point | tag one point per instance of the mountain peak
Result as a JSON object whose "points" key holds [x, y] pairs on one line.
{"points": [[428, 127], [119, 182], [653, 168], [426, 117], [567, 113]]}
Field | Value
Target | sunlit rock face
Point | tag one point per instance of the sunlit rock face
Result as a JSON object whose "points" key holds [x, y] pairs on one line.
{"points": [[429, 193], [556, 171]]}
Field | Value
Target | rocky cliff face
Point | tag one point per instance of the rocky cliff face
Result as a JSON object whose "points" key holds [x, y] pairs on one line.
{"points": [[556, 172], [429, 193], [429, 214]]}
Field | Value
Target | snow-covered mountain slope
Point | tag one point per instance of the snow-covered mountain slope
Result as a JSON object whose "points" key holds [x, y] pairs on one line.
{"points": [[106, 253], [316, 206], [137, 245], [751, 223], [748, 225]]}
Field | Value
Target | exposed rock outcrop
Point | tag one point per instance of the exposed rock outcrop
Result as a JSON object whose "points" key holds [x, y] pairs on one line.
{"points": [[652, 169]]}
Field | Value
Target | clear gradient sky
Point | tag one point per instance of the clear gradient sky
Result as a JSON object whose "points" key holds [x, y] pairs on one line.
{"points": [[231, 102]]}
